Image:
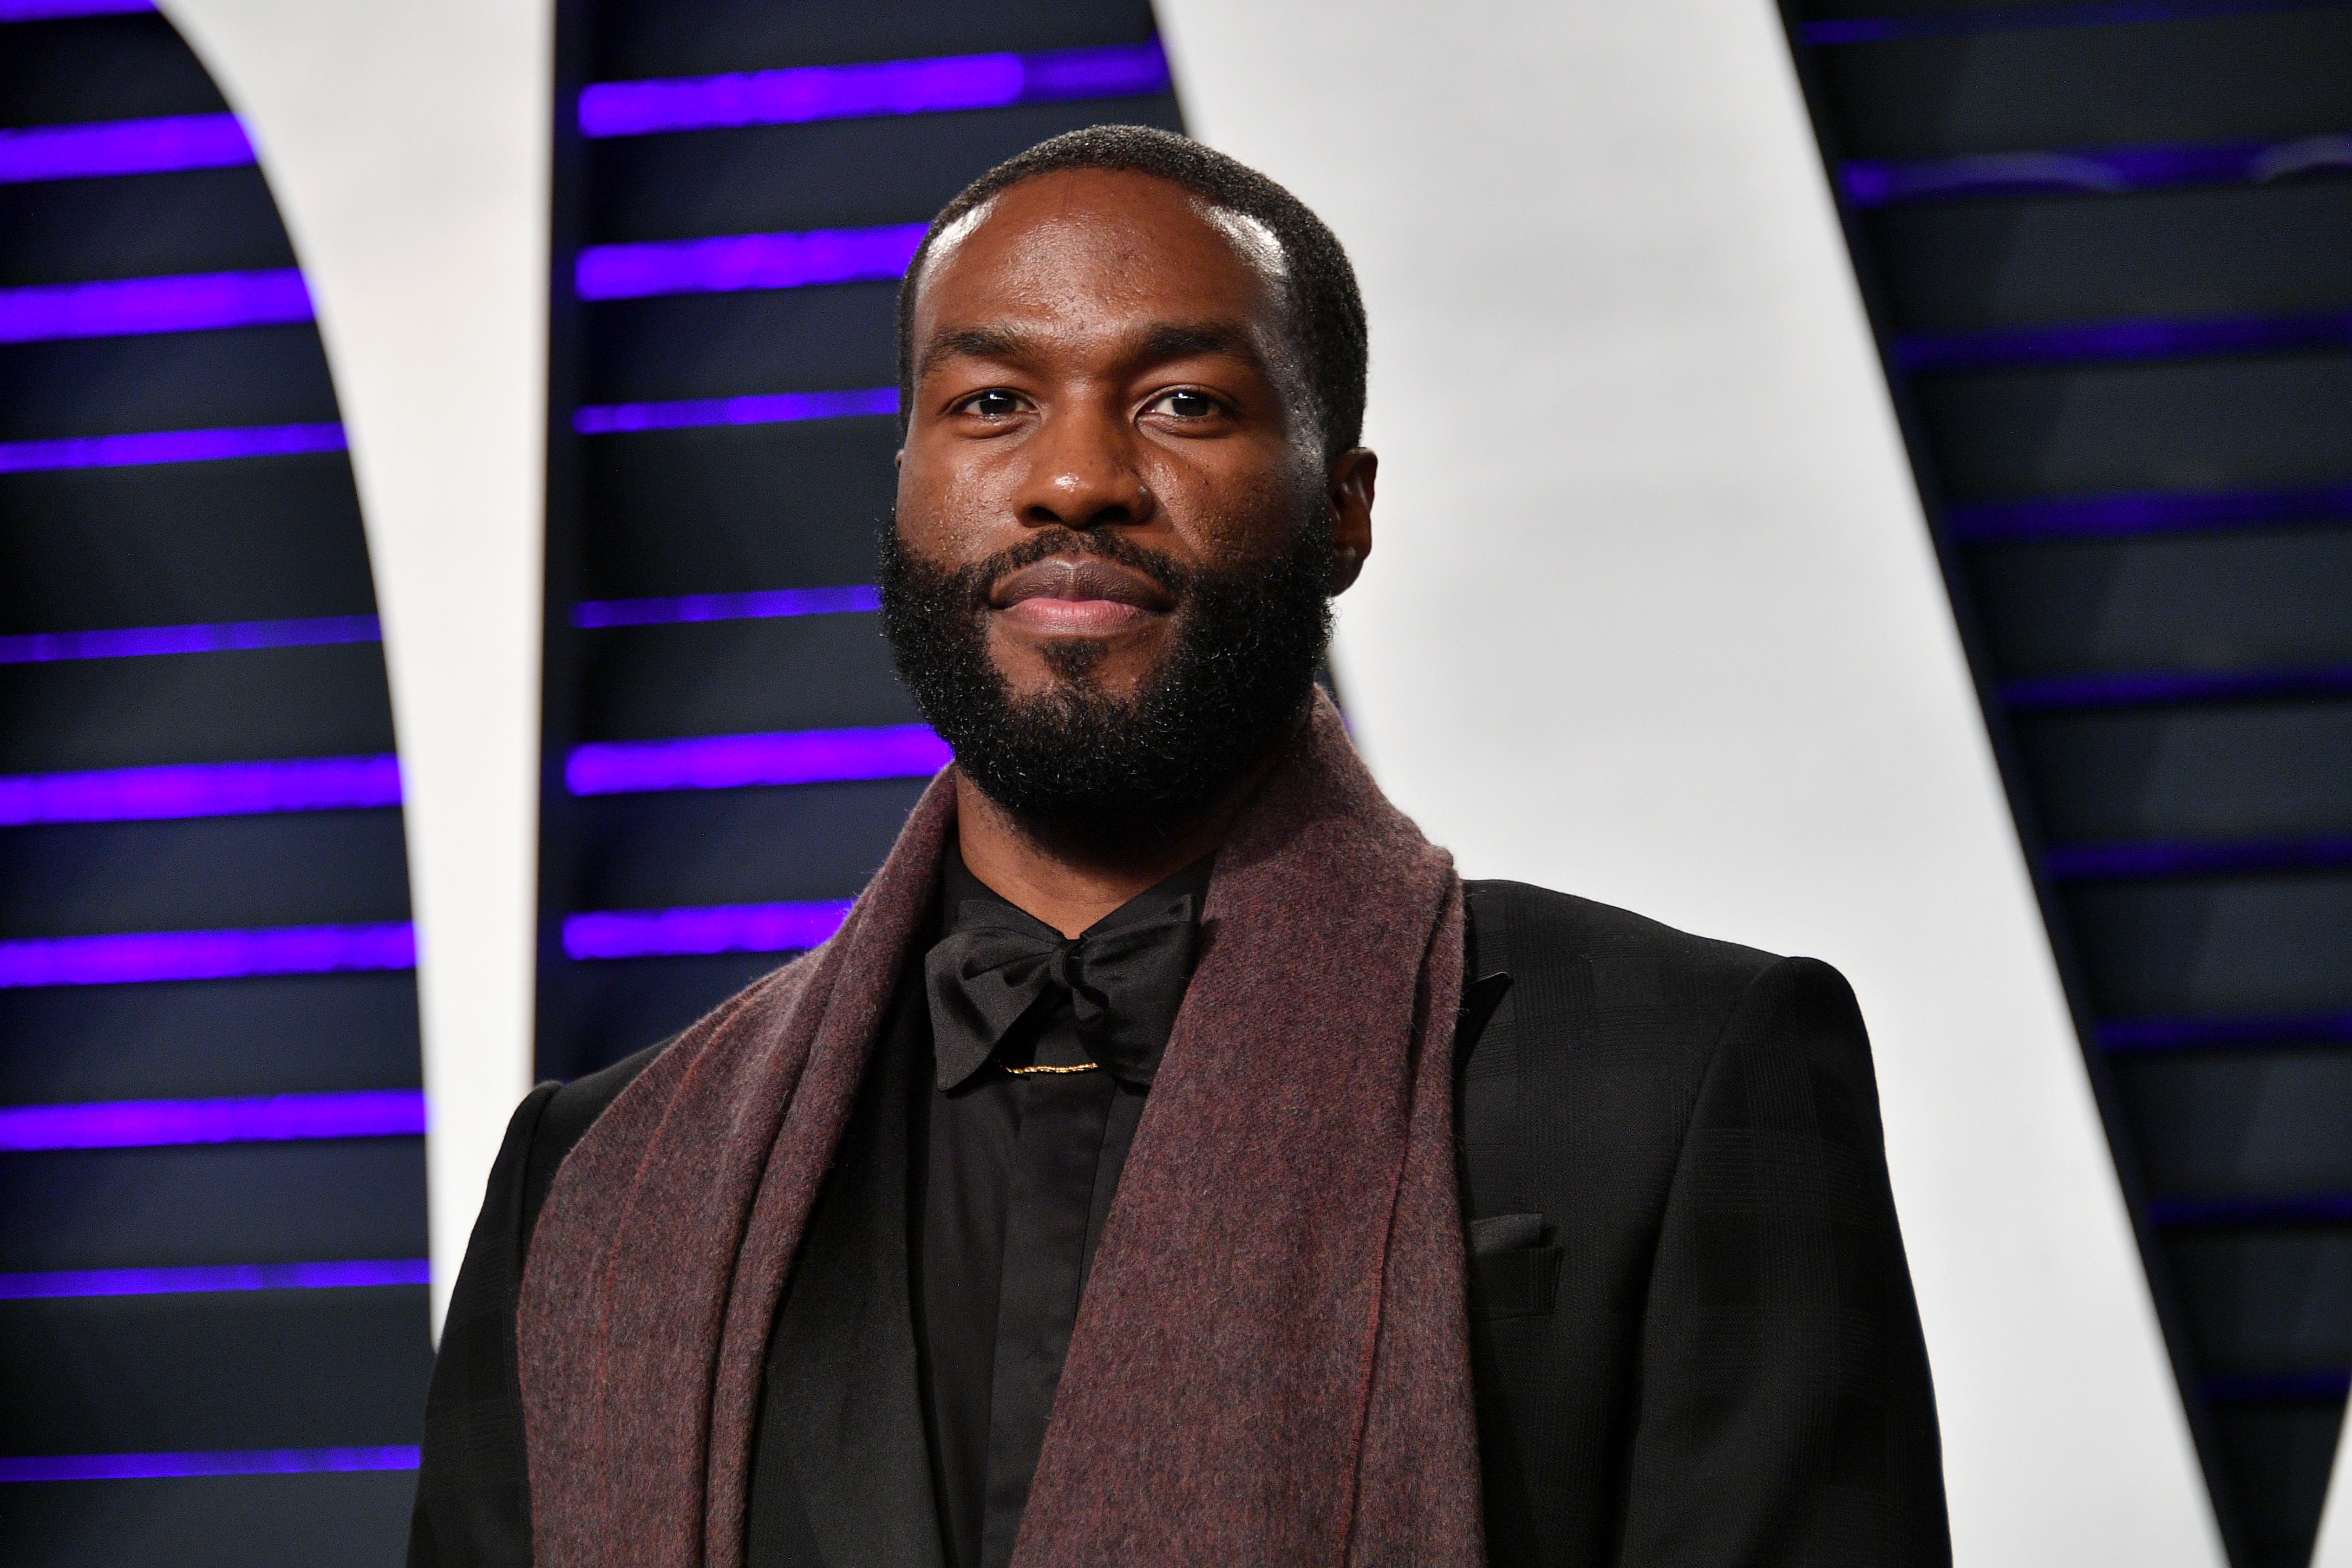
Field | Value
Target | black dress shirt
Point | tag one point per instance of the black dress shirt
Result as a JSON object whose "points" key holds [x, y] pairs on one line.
{"points": [[1013, 1172]]}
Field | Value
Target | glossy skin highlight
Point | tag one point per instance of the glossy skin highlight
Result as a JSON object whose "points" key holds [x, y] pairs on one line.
{"points": [[1097, 352]]}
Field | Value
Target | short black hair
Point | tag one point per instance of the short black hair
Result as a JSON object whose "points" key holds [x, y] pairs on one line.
{"points": [[1327, 309]]}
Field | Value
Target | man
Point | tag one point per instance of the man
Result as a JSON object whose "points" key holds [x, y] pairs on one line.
{"points": [[1171, 1161]]}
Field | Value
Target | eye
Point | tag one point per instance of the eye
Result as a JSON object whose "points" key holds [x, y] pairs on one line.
{"points": [[996, 403], [1184, 404]]}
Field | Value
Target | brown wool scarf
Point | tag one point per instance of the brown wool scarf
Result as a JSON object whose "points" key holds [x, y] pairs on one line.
{"points": [[1270, 1365]]}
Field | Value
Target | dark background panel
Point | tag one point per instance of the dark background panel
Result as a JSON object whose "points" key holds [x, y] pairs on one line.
{"points": [[2225, 252], [735, 345], [210, 1204], [736, 847], [610, 1009], [2222, 946], [230, 1369], [252, 704], [347, 1521], [2204, 424], [101, 67], [701, 38], [195, 1039], [164, 380], [296, 868], [2260, 769], [139, 226], [2275, 598], [841, 173], [2275, 1300], [719, 677], [243, 539], [2278, 1461], [737, 509], [2226, 78], [2241, 1123]]}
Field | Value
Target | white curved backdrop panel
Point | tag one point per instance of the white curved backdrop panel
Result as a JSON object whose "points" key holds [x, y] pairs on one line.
{"points": [[1654, 618], [408, 147]]}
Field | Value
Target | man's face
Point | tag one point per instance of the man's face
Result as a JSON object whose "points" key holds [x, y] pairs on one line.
{"points": [[1114, 510]]}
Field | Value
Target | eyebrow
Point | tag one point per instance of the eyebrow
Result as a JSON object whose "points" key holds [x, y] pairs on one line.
{"points": [[1163, 341]]}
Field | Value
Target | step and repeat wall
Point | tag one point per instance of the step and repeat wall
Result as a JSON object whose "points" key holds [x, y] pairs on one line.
{"points": [[1869, 481]]}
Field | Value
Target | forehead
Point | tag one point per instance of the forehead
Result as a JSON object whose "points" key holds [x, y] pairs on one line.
{"points": [[1094, 249]]}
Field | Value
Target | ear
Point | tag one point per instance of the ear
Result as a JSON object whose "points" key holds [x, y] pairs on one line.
{"points": [[1347, 490]]}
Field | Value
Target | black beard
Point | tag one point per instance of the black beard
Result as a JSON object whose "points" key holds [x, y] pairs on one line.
{"points": [[1074, 759]]}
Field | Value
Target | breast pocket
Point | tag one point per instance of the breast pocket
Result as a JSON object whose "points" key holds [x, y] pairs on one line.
{"points": [[1513, 1267]]}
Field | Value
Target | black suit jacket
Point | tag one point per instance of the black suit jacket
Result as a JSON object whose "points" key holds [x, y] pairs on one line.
{"points": [[1693, 1334]]}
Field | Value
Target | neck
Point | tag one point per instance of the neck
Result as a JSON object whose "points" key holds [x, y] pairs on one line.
{"points": [[1070, 879]]}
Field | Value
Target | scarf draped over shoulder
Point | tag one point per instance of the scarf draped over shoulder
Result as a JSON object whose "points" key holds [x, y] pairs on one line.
{"points": [[1270, 1364]]}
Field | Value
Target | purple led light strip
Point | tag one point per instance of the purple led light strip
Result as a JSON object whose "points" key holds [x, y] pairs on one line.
{"points": [[78, 1282], [776, 604], [137, 957], [2326, 1387], [195, 302], [200, 789], [2128, 862], [59, 10], [2059, 693], [737, 761], [2124, 341], [217, 1462], [267, 1119], [123, 147], [735, 262], [2132, 1034], [153, 447], [708, 928], [773, 408], [2110, 171], [2298, 1208], [214, 636], [808, 93], [2101, 14], [2131, 516]]}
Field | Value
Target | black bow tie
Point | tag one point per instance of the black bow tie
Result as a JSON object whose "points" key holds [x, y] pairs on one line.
{"points": [[1124, 985]]}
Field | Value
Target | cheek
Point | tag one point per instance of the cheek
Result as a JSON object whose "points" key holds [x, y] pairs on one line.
{"points": [[1248, 514], [944, 508]]}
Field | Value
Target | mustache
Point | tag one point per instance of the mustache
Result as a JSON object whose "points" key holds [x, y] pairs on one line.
{"points": [[974, 582]]}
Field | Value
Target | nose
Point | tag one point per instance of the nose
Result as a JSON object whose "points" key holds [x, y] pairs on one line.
{"points": [[1083, 472]]}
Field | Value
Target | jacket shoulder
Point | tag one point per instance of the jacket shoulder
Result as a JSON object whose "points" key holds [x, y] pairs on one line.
{"points": [[1569, 954]]}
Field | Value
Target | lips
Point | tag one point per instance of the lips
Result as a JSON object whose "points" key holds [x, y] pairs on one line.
{"points": [[1086, 579]]}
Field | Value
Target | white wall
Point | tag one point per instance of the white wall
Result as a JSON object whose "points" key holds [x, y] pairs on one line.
{"points": [[408, 147], [1651, 617]]}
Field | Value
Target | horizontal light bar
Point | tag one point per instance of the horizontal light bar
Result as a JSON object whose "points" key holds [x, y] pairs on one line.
{"points": [[2102, 13], [2299, 1208], [2325, 1387], [2110, 171], [2139, 515], [76, 1282], [775, 603], [194, 302], [711, 927], [2062, 693], [212, 636], [107, 147], [217, 1462], [267, 1119], [809, 93], [737, 761], [2117, 341], [59, 10], [740, 261], [138, 957], [200, 789], [153, 447], [772, 408], [2133, 862], [2134, 1035]]}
